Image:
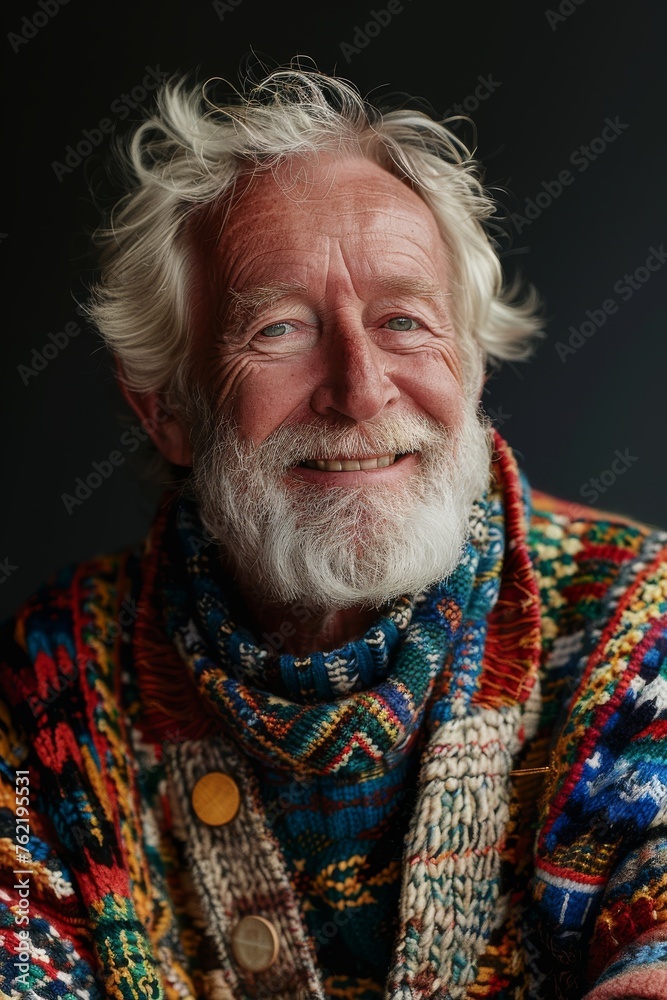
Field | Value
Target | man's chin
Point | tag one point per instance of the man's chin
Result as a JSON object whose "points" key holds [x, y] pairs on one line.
{"points": [[366, 557]]}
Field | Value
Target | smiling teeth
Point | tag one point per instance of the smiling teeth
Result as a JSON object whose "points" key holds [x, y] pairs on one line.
{"points": [[350, 464]]}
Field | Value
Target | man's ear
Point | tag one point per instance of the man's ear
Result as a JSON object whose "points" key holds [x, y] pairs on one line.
{"points": [[165, 428]]}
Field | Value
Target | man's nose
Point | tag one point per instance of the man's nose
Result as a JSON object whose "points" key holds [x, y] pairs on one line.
{"points": [[354, 380]]}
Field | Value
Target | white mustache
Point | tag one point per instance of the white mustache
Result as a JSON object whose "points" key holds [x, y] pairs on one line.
{"points": [[291, 444]]}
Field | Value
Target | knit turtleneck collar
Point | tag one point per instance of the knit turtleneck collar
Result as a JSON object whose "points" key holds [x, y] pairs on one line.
{"points": [[353, 710], [256, 660]]}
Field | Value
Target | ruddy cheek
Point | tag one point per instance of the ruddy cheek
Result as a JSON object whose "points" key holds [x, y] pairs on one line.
{"points": [[441, 364], [267, 395], [434, 388]]}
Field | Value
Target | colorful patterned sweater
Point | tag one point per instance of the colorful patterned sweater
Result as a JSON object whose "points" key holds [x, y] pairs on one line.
{"points": [[498, 884]]}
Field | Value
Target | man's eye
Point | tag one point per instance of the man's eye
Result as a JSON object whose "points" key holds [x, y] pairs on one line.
{"points": [[276, 330], [402, 323]]}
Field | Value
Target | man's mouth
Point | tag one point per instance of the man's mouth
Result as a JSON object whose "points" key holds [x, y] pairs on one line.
{"points": [[351, 464]]}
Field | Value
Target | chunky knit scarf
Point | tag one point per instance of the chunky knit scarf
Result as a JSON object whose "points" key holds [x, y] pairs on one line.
{"points": [[351, 711], [348, 724]]}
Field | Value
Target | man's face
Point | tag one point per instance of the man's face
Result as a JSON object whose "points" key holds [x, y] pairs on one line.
{"points": [[337, 446], [335, 307]]}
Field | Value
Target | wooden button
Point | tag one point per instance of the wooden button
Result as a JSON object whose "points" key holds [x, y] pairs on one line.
{"points": [[216, 798], [255, 944]]}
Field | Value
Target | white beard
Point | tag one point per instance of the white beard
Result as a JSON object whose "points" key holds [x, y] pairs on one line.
{"points": [[335, 547]]}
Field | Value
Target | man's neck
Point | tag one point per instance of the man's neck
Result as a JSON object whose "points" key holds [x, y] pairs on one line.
{"points": [[295, 628], [300, 630]]}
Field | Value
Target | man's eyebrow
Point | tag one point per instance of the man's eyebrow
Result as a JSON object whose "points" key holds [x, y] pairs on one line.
{"points": [[247, 304], [410, 286]]}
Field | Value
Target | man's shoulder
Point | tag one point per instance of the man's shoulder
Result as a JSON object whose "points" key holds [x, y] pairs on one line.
{"points": [[83, 605], [603, 589], [563, 529], [589, 563]]}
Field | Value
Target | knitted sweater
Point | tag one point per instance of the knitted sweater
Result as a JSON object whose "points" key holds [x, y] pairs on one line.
{"points": [[508, 888]]}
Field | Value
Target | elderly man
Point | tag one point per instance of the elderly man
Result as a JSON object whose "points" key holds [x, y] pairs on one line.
{"points": [[367, 716]]}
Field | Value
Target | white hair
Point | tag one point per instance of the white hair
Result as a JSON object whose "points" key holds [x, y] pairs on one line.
{"points": [[191, 153]]}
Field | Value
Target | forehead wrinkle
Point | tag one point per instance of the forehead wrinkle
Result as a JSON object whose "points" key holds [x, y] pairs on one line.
{"points": [[375, 221], [393, 273], [428, 258]]}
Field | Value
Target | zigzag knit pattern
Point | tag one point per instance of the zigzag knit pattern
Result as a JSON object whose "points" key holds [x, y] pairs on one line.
{"points": [[502, 892]]}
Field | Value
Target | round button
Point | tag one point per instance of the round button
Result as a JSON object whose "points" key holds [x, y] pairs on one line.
{"points": [[216, 798], [255, 944]]}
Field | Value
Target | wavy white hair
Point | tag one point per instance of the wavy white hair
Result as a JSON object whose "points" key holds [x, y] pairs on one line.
{"points": [[190, 154]]}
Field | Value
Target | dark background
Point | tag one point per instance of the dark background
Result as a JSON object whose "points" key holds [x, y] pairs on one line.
{"points": [[556, 78]]}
